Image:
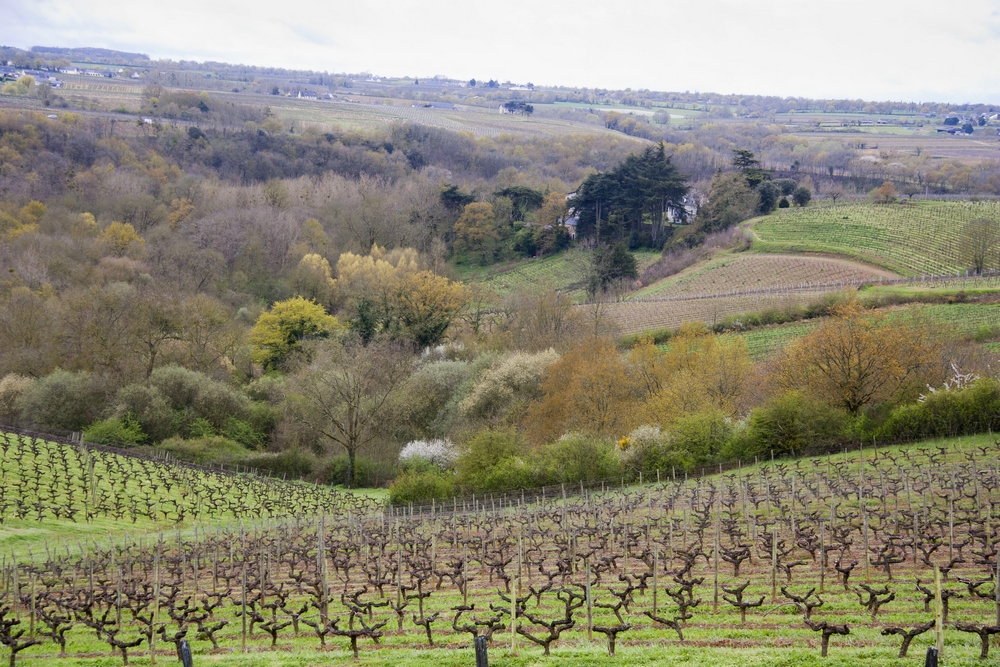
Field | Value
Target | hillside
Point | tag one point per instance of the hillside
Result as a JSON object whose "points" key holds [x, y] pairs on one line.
{"points": [[800, 254]]}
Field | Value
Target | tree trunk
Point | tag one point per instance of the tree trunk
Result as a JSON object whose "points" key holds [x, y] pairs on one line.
{"points": [[349, 481]]}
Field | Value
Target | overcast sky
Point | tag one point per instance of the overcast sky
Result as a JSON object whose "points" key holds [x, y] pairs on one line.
{"points": [[911, 50]]}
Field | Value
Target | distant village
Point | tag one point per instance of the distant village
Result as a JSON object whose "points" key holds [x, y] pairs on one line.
{"points": [[8, 72]]}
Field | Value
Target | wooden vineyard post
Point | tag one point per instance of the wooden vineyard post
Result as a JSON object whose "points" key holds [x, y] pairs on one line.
{"points": [[996, 589], [156, 602], [822, 555], [514, 590], [656, 579], [715, 567], [938, 614], [864, 521], [590, 601], [243, 603], [774, 565], [31, 618]]}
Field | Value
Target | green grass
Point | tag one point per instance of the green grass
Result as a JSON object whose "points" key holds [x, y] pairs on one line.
{"points": [[909, 238], [964, 320], [566, 271]]}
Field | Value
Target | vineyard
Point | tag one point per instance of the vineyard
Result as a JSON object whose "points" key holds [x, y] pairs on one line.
{"points": [[750, 271], [909, 238], [776, 563], [634, 316], [55, 490]]}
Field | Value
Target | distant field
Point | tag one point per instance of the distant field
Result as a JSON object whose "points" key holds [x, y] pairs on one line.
{"points": [[330, 115], [909, 238], [752, 271]]}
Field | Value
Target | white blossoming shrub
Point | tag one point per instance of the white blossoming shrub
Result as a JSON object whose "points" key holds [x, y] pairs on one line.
{"points": [[441, 453], [514, 378]]}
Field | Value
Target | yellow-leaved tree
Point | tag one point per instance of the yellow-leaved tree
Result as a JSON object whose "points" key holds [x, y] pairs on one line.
{"points": [[389, 294], [701, 371], [313, 279], [280, 331], [475, 231], [121, 240]]}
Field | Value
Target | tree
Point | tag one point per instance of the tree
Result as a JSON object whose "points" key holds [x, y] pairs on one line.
{"points": [[858, 358], [454, 199], [475, 231], [836, 192], [979, 242], [767, 196], [802, 196], [885, 194], [426, 305], [968, 128], [749, 167], [122, 240], [590, 390], [730, 201], [636, 198], [611, 264], [343, 396], [281, 330]]}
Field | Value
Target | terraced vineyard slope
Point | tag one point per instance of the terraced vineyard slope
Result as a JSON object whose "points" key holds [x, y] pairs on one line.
{"points": [[909, 238]]}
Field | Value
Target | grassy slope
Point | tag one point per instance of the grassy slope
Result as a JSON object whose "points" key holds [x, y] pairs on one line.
{"points": [[566, 271]]}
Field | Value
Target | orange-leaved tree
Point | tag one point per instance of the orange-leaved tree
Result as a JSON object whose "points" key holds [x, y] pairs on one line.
{"points": [[590, 389], [859, 358]]}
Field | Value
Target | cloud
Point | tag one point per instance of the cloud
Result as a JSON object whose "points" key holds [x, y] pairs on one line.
{"points": [[891, 49]]}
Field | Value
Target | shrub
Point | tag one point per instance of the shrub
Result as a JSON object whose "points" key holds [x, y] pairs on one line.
{"points": [[291, 463], [441, 453], [61, 400], [413, 486], [367, 471], [483, 452], [701, 436], [648, 450], [125, 431], [207, 451], [974, 409], [427, 392], [511, 382], [576, 458], [196, 395], [11, 388], [149, 407], [244, 433], [790, 423]]}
